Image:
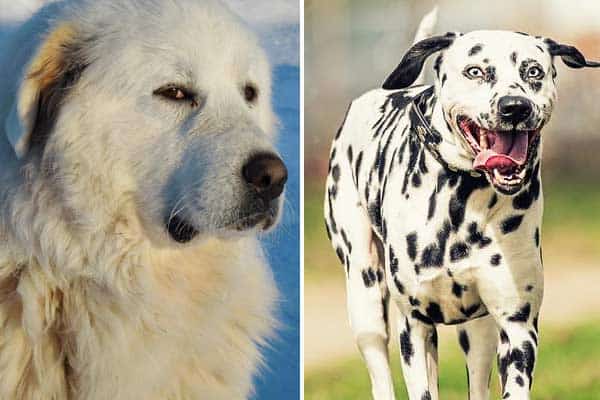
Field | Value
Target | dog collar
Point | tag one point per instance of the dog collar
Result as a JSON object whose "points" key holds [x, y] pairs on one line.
{"points": [[427, 135]]}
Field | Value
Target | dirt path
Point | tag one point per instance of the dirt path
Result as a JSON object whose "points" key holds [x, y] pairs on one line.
{"points": [[571, 295]]}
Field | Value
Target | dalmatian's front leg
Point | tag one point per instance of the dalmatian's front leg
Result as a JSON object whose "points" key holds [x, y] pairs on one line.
{"points": [[517, 353], [512, 292], [478, 339], [419, 357]]}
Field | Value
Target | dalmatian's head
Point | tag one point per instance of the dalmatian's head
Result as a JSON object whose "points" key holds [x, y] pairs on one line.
{"points": [[496, 91]]}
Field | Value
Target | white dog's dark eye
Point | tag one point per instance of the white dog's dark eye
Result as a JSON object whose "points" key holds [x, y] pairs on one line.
{"points": [[176, 93], [534, 72], [474, 72], [250, 93]]}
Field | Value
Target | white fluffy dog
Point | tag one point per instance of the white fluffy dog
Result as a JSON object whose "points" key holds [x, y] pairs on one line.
{"points": [[137, 167]]}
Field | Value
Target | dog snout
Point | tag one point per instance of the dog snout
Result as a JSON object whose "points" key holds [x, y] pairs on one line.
{"points": [[514, 109], [266, 173]]}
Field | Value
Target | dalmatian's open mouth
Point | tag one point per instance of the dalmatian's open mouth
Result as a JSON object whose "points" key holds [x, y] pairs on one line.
{"points": [[501, 154]]}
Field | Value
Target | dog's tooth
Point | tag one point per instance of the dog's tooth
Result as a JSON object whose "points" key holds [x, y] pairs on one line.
{"points": [[483, 143]]}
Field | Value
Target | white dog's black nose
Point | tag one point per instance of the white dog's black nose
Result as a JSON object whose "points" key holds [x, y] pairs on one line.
{"points": [[514, 109], [267, 174]]}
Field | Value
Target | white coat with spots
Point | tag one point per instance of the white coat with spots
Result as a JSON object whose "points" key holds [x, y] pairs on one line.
{"points": [[434, 202]]}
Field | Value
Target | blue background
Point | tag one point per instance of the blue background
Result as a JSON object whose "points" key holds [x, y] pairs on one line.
{"points": [[280, 378]]}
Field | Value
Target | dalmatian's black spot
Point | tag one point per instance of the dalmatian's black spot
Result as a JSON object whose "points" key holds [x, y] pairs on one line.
{"points": [[379, 273], [513, 57], [522, 33], [374, 210], [416, 314], [432, 205], [511, 224], [458, 201], [340, 254], [463, 339], [327, 230], [522, 315], [333, 191], [539, 48], [414, 301], [503, 336], [347, 264], [495, 260], [490, 75], [416, 179], [457, 289], [434, 338], [444, 78], [349, 154], [534, 337], [369, 277], [529, 288], [406, 346], [434, 312], [475, 49], [535, 323], [331, 159], [413, 151], [393, 261], [357, 166], [433, 255], [426, 395], [486, 60], [399, 285], [536, 237], [332, 222], [493, 201], [458, 251], [470, 311], [519, 381], [477, 237], [438, 64], [411, 245], [346, 241], [385, 308]]}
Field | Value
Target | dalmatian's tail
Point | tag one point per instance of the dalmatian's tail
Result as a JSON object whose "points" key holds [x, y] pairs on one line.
{"points": [[425, 30]]}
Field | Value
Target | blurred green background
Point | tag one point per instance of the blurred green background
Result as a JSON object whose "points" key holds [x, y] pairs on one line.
{"points": [[350, 47]]}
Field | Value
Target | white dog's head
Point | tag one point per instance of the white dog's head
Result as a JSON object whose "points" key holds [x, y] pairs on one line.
{"points": [[163, 104], [496, 91]]}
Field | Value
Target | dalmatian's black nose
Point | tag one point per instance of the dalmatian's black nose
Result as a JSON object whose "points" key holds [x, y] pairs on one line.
{"points": [[267, 174], [514, 109]]}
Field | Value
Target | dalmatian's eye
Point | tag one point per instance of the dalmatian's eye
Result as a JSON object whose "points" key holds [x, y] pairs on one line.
{"points": [[535, 72], [474, 73]]}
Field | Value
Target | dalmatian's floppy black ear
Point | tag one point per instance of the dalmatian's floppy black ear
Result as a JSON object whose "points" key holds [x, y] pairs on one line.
{"points": [[407, 72], [570, 55]]}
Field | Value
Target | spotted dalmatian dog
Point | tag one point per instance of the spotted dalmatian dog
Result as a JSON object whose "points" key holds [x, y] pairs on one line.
{"points": [[434, 201]]}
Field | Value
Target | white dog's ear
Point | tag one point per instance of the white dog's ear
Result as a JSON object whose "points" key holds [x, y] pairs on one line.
{"points": [[407, 72], [570, 55], [52, 71]]}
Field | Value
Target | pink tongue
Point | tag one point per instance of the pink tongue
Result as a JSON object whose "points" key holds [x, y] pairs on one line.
{"points": [[509, 149]]}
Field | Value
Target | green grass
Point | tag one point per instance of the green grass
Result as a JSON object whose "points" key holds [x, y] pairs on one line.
{"points": [[571, 229], [567, 368]]}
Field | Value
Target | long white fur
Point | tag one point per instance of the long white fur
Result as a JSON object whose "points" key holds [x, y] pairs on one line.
{"points": [[95, 301]]}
